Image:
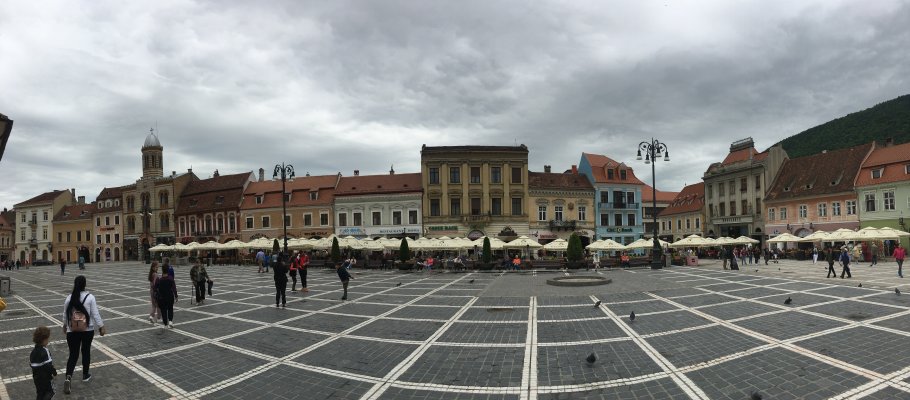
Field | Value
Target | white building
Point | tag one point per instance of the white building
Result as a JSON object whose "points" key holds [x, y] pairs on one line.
{"points": [[373, 206], [34, 224]]}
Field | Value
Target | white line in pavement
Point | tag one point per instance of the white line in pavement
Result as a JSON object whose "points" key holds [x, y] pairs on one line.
{"points": [[529, 373]]}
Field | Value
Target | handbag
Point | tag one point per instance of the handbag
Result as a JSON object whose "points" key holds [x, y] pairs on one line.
{"points": [[79, 321], [2, 304]]}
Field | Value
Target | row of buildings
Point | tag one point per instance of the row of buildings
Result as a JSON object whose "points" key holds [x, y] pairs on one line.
{"points": [[467, 191]]}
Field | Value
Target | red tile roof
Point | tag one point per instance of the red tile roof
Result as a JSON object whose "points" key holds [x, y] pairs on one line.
{"points": [[818, 174], [892, 159], [600, 164], [43, 198], [662, 197], [378, 184], [219, 193], [743, 155], [299, 188], [554, 180], [4, 223], [75, 212], [690, 199], [110, 193]]}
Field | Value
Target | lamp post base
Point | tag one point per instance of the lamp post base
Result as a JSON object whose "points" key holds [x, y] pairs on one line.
{"points": [[656, 252], [657, 265]]}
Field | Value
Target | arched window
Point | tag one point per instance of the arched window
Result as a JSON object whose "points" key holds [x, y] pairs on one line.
{"points": [[208, 223], [219, 225], [162, 199], [193, 227], [131, 224], [146, 200], [165, 221], [130, 203], [232, 224]]}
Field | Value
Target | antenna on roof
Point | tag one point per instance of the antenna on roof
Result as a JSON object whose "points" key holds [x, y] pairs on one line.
{"points": [[516, 141]]}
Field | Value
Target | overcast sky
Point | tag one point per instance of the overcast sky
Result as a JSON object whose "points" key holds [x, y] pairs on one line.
{"points": [[335, 86]]}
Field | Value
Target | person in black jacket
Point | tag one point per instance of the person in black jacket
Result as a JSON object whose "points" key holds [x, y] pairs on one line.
{"points": [[345, 277], [43, 371], [166, 292], [280, 268]]}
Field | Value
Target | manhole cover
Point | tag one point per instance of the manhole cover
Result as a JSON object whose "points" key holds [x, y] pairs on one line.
{"points": [[579, 281], [500, 309]]}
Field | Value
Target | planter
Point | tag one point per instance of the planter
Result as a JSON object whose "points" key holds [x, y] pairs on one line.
{"points": [[485, 266], [405, 267], [574, 264]]}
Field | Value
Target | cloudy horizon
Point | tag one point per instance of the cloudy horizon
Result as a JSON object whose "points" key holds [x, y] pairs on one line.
{"points": [[338, 86]]}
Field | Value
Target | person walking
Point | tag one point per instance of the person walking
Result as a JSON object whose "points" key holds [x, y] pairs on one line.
{"points": [[154, 314], [899, 254], [260, 259], [62, 266], [199, 276], [874, 250], [829, 257], [814, 255], [81, 262], [723, 256], [166, 289], [345, 278], [43, 371], [766, 254], [845, 261], [292, 271], [281, 281], [80, 318], [302, 269]]}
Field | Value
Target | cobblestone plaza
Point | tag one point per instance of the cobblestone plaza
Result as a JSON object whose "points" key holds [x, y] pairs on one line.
{"points": [[700, 332]]}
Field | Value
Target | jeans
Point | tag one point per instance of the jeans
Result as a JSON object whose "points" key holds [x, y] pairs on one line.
{"points": [[294, 280], [167, 310], [200, 290], [281, 287], [900, 266], [79, 341], [302, 278]]}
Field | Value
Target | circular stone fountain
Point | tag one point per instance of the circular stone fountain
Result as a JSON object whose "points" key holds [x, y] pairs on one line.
{"points": [[579, 281]]}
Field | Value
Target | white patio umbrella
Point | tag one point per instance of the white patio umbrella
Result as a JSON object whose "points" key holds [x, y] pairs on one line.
{"points": [[160, 247], [892, 233], [234, 245], [522, 242], [843, 235], [394, 244], [210, 245], [557, 245], [689, 241], [299, 244], [447, 243], [786, 237], [606, 245], [746, 240], [422, 243], [723, 241], [371, 245], [817, 236], [325, 243], [645, 243], [349, 242]]}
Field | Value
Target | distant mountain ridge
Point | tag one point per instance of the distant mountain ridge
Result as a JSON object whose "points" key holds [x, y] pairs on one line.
{"points": [[889, 119]]}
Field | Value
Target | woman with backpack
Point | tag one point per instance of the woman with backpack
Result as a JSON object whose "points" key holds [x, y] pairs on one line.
{"points": [[80, 318]]}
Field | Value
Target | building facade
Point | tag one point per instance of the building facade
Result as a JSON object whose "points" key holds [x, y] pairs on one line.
{"points": [[654, 203], [108, 226], [815, 193], [618, 195], [73, 232], [883, 189], [34, 221], [309, 207], [561, 204], [735, 187], [150, 203], [474, 191], [209, 209], [685, 215], [7, 235], [373, 206]]}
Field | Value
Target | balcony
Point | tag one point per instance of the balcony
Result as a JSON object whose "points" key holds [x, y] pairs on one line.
{"points": [[207, 233], [33, 242], [737, 219], [618, 206], [33, 222], [476, 219], [556, 225]]}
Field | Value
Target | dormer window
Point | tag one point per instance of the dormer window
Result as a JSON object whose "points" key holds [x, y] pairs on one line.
{"points": [[193, 202], [877, 173], [609, 174], [258, 199], [287, 197], [622, 174], [219, 200], [314, 195], [907, 169]]}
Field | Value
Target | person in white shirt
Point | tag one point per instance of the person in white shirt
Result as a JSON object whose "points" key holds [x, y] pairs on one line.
{"points": [[79, 338]]}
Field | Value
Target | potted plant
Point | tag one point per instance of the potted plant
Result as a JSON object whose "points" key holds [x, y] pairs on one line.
{"points": [[574, 252], [336, 251], [404, 256], [486, 255]]}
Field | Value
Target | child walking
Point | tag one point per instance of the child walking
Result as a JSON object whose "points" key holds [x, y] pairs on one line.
{"points": [[43, 371], [345, 277]]}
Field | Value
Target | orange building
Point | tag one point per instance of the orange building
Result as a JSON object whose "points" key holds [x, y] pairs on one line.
{"points": [[309, 207], [685, 215], [815, 192]]}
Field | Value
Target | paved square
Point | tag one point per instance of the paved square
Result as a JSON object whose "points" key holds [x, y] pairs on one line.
{"points": [[700, 333]]}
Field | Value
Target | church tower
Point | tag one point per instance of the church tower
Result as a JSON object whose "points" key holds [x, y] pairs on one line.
{"points": [[152, 160]]}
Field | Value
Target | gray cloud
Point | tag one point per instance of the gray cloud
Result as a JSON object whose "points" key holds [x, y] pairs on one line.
{"points": [[347, 85]]}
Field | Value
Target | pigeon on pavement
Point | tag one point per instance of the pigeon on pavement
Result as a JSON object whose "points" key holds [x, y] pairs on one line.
{"points": [[471, 281], [755, 396], [897, 291], [860, 285], [399, 284], [591, 358], [788, 301], [632, 316], [597, 304]]}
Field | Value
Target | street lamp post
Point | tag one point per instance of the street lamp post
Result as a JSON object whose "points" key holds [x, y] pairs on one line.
{"points": [[285, 172], [653, 150], [146, 214]]}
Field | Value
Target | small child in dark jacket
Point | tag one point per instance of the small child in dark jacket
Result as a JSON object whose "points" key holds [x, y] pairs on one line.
{"points": [[344, 276], [43, 371]]}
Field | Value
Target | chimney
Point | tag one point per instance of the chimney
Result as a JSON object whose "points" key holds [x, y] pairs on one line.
{"points": [[356, 172], [189, 170], [261, 174], [546, 168], [392, 170], [575, 169], [73, 190], [173, 173], [81, 199], [215, 174]]}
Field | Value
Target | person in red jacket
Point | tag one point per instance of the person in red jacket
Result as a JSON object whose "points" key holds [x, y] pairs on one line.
{"points": [[899, 254], [302, 268], [292, 271]]}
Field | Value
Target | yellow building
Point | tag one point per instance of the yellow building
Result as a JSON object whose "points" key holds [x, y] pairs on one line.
{"points": [[561, 204], [73, 232], [475, 191]]}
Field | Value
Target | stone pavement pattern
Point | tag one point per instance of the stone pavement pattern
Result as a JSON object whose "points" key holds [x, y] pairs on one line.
{"points": [[700, 333]]}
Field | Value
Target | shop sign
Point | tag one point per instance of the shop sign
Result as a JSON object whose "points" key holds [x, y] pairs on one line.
{"points": [[619, 230], [395, 231], [351, 231], [475, 234], [317, 233], [442, 228]]}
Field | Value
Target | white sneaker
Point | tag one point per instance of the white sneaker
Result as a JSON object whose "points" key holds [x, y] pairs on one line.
{"points": [[151, 320]]}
